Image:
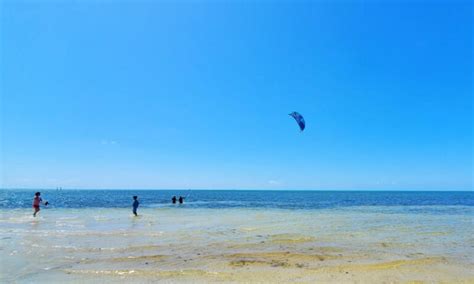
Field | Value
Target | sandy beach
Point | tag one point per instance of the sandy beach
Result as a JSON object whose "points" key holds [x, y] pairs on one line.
{"points": [[166, 245]]}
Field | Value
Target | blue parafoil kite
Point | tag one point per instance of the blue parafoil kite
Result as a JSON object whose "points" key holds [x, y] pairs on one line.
{"points": [[299, 119]]}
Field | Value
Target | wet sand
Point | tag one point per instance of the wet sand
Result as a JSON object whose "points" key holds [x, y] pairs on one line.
{"points": [[360, 245]]}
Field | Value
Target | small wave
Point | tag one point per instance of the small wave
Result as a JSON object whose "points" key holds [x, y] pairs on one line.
{"points": [[188, 273]]}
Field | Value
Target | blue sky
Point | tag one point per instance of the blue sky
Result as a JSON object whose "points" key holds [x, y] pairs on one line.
{"points": [[158, 94]]}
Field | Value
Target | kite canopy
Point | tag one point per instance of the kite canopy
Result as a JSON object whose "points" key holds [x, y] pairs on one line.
{"points": [[299, 119]]}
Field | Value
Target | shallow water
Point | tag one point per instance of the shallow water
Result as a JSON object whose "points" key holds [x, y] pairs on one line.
{"points": [[370, 243]]}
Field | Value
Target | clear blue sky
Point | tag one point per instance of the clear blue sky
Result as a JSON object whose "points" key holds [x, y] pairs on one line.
{"points": [[155, 94]]}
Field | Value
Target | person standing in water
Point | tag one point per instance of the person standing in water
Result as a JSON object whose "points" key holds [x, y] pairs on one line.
{"points": [[181, 200], [36, 203], [173, 200], [135, 205]]}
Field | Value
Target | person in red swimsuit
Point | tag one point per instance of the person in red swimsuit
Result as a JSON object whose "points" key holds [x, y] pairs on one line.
{"points": [[36, 203]]}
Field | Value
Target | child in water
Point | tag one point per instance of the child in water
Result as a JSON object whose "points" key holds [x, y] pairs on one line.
{"points": [[135, 205], [36, 203]]}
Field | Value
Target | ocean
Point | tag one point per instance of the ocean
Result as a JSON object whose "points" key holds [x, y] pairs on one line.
{"points": [[237, 236], [217, 199]]}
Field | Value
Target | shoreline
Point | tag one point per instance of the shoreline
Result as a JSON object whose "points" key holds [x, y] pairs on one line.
{"points": [[237, 245]]}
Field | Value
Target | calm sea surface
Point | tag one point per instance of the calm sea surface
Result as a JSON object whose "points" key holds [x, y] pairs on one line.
{"points": [[423, 201]]}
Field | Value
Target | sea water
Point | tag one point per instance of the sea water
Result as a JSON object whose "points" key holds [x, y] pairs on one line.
{"points": [[237, 236]]}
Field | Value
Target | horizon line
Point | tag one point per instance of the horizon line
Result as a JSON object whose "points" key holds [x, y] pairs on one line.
{"points": [[232, 189]]}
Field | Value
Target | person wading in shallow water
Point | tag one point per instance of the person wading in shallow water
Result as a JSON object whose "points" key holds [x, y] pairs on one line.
{"points": [[181, 200], [36, 203], [173, 200], [135, 205]]}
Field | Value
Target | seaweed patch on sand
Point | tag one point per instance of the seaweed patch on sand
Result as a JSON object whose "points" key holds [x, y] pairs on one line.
{"points": [[277, 259]]}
